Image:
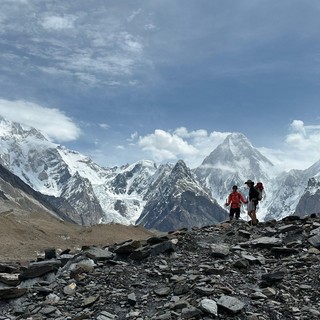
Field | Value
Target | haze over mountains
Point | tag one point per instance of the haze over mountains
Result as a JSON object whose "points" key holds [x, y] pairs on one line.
{"points": [[166, 196]]}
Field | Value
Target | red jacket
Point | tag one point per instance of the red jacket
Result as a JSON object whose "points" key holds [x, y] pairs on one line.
{"points": [[236, 198]]}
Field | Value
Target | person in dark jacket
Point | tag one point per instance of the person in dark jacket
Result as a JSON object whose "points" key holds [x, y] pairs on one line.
{"points": [[253, 201]]}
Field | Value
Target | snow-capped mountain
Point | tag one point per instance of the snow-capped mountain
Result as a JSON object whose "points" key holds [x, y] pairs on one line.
{"points": [[180, 201], [18, 198], [232, 163], [295, 191], [89, 193], [310, 200]]}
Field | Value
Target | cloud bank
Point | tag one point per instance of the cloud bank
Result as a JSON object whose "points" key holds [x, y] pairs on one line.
{"points": [[300, 149], [52, 122]]}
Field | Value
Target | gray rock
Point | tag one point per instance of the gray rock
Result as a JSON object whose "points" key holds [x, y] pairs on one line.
{"points": [[98, 254], [266, 242], [127, 247], [272, 278], [140, 253], [11, 279], [37, 269], [190, 313], [12, 293], [231, 304], [315, 240], [209, 306], [163, 291], [219, 251], [132, 299], [104, 315]]}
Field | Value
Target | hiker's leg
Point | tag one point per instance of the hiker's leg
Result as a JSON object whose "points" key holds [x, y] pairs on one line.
{"points": [[231, 214], [237, 213], [253, 215], [250, 208]]}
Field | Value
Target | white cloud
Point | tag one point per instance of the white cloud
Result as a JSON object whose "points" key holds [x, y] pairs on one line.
{"points": [[134, 15], [184, 133], [304, 137], [97, 46], [301, 148], [50, 121], [58, 23], [134, 136], [166, 146], [299, 151], [149, 26], [191, 146], [104, 126]]}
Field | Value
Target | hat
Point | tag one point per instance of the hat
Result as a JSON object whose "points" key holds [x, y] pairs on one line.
{"points": [[249, 182], [234, 187]]}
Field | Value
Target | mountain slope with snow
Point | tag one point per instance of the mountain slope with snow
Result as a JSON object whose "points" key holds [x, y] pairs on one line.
{"points": [[180, 201], [88, 193], [232, 163], [97, 194]]}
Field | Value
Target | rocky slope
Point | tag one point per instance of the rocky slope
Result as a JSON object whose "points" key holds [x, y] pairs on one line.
{"points": [[19, 198], [223, 271]]}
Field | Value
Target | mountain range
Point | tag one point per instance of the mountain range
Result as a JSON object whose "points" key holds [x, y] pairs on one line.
{"points": [[164, 197]]}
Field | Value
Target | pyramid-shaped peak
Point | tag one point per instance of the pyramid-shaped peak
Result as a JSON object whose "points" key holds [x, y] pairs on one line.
{"points": [[11, 128], [236, 151], [237, 139], [181, 168]]}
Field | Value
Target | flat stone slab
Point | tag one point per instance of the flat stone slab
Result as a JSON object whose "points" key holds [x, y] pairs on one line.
{"points": [[12, 293], [231, 304], [266, 242]]}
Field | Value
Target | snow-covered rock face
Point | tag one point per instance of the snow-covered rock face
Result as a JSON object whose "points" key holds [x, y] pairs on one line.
{"points": [[232, 163], [310, 200], [180, 201], [236, 160], [90, 194], [97, 194]]}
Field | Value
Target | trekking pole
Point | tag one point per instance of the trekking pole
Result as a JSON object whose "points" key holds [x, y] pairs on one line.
{"points": [[247, 208], [227, 210]]}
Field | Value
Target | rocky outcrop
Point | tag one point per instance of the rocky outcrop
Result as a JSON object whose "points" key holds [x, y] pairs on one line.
{"points": [[180, 201], [223, 271], [310, 200]]}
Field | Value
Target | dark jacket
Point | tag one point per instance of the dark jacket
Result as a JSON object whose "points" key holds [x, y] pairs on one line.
{"points": [[253, 194]]}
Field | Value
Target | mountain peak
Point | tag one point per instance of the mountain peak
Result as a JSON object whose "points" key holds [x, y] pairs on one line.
{"points": [[15, 129], [181, 168]]}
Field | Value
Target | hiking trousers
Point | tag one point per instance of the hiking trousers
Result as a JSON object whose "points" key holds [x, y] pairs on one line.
{"points": [[234, 212]]}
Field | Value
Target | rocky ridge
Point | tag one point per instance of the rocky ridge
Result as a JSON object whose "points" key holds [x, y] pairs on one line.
{"points": [[180, 201], [223, 271]]}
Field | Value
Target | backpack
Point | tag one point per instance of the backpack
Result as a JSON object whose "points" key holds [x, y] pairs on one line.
{"points": [[259, 187]]}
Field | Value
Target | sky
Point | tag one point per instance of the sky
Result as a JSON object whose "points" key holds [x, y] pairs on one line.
{"points": [[163, 80]]}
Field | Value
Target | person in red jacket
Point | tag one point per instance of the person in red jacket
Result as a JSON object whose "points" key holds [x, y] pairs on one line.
{"points": [[234, 200]]}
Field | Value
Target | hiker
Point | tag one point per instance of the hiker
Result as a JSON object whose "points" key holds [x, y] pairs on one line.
{"points": [[234, 200], [253, 201]]}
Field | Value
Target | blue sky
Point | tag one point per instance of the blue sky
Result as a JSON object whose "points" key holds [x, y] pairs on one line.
{"points": [[164, 80]]}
